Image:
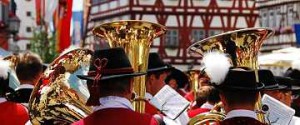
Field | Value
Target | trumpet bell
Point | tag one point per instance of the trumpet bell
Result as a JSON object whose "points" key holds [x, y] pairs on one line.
{"points": [[242, 46], [135, 37], [59, 97]]}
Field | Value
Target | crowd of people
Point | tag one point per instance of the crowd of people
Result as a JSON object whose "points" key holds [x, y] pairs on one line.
{"points": [[233, 91]]}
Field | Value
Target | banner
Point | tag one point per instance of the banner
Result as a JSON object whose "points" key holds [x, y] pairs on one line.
{"points": [[297, 33], [50, 9], [63, 29], [77, 27]]}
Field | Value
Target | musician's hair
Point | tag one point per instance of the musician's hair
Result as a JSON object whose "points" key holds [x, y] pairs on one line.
{"points": [[29, 66]]}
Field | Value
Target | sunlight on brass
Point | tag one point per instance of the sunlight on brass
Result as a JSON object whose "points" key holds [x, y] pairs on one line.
{"points": [[54, 100], [135, 36], [13, 61], [193, 76], [241, 46], [206, 118]]}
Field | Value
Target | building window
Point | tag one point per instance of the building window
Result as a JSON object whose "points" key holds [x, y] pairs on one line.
{"points": [[278, 17], [172, 38], [264, 18], [28, 13], [290, 15], [214, 32], [28, 29], [272, 18], [197, 35]]}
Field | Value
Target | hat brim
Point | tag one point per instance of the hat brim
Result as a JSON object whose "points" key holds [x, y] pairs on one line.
{"points": [[165, 68], [259, 86], [296, 85], [85, 77], [279, 87]]}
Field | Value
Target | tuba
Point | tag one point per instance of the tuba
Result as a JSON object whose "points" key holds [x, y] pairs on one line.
{"points": [[59, 97], [242, 46], [135, 36]]}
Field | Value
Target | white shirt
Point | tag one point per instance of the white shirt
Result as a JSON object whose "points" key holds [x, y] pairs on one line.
{"points": [[25, 86], [206, 105], [2, 100], [113, 102], [241, 113], [148, 96]]}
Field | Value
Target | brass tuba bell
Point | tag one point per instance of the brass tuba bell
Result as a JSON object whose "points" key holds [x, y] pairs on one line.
{"points": [[135, 36], [56, 99], [242, 46]]}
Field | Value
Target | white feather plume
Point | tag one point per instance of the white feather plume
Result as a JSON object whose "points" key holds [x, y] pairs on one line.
{"points": [[296, 64], [4, 69], [216, 66]]}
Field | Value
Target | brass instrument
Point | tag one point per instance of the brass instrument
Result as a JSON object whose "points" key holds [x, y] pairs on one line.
{"points": [[13, 79], [242, 46], [135, 37], [194, 81], [56, 100], [206, 118], [13, 61]]}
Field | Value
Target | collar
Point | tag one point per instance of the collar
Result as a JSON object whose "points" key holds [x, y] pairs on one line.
{"points": [[25, 86], [206, 105], [241, 113], [2, 100], [113, 102], [148, 96]]}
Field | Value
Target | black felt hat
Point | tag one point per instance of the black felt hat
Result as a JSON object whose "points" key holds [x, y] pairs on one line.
{"points": [[156, 64], [268, 79], [180, 77], [240, 79], [292, 73], [117, 65], [291, 84]]}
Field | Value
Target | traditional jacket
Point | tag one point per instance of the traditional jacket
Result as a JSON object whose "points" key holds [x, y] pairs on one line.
{"points": [[22, 93], [116, 111], [241, 117], [206, 107], [150, 109], [12, 113]]}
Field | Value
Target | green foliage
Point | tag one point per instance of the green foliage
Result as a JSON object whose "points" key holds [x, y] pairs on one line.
{"points": [[43, 45]]}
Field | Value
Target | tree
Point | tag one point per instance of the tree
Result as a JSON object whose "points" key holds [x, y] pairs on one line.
{"points": [[43, 45]]}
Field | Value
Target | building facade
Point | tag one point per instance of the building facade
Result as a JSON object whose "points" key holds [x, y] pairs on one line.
{"points": [[187, 21], [26, 11], [280, 15]]}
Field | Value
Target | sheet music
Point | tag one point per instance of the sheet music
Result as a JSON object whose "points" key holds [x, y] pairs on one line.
{"points": [[279, 113], [168, 101]]}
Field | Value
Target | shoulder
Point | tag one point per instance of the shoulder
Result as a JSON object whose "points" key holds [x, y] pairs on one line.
{"points": [[105, 116], [194, 112], [241, 121]]}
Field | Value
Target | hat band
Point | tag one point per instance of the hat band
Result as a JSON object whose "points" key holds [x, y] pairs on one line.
{"points": [[272, 86], [112, 71]]}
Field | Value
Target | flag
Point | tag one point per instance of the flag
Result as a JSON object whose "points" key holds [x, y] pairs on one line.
{"points": [[77, 27], [64, 22], [297, 33], [38, 9], [5, 2], [77, 22], [50, 9]]}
